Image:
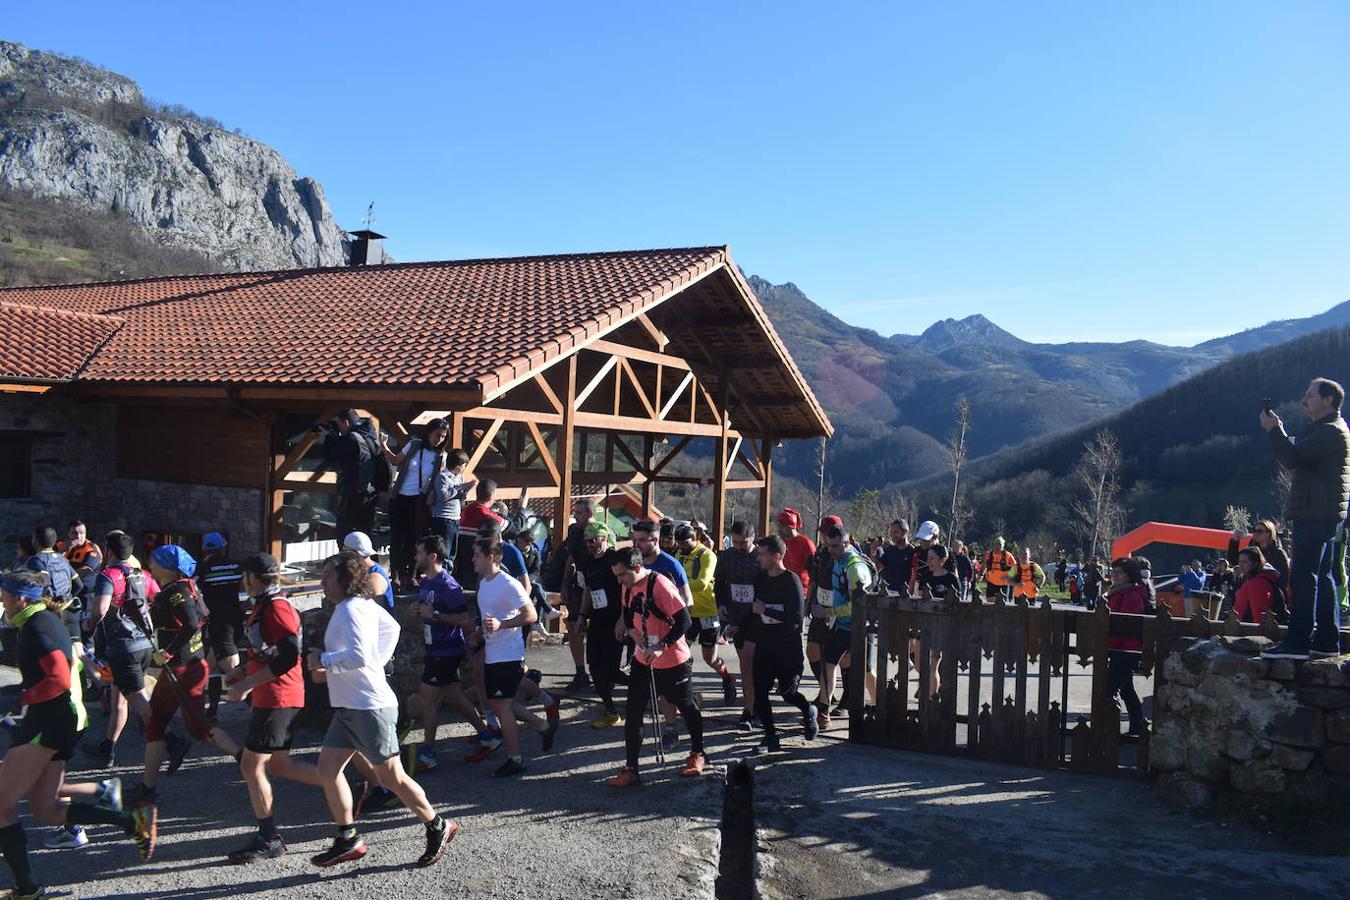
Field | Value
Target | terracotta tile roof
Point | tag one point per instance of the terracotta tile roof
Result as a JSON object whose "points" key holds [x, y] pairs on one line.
{"points": [[438, 323], [42, 344]]}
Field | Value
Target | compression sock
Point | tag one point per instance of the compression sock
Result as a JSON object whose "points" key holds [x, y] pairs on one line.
{"points": [[214, 686], [14, 846], [347, 834], [81, 813], [436, 824], [267, 827]]}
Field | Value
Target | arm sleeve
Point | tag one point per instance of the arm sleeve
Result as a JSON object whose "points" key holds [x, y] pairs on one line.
{"points": [[55, 678], [682, 622], [794, 604], [185, 608], [288, 651]]}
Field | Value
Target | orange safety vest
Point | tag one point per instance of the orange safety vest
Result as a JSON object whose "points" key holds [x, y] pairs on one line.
{"points": [[997, 565], [1026, 581]]}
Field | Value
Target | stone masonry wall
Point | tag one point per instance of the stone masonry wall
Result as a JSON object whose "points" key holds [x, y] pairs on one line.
{"points": [[74, 475], [1228, 721]]}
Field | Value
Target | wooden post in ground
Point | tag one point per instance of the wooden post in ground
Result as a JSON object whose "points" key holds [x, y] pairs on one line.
{"points": [[766, 493], [566, 436]]}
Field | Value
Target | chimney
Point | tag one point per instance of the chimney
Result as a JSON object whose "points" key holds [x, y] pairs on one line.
{"points": [[365, 249]]}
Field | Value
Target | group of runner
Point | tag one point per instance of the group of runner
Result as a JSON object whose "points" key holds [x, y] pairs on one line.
{"points": [[79, 604]]}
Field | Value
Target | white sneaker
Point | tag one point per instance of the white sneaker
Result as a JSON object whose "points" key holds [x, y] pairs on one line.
{"points": [[426, 760], [551, 613], [64, 839]]}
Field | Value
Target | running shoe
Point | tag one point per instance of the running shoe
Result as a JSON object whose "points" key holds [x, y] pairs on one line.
{"points": [[490, 737], [101, 753], [509, 768], [482, 753], [16, 894], [438, 841], [625, 777], [258, 849], [670, 736], [822, 718], [764, 748], [549, 733], [380, 798], [607, 720], [1314, 653], [177, 747], [426, 760], [110, 794], [9, 721], [693, 765], [1285, 650], [810, 726], [746, 721], [728, 687], [580, 682], [67, 838], [551, 612], [342, 851], [145, 830]]}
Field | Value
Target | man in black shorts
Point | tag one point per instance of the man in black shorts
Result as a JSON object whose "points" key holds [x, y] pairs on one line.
{"points": [[604, 647], [779, 606], [271, 678], [573, 593], [734, 587], [218, 576], [122, 631]]}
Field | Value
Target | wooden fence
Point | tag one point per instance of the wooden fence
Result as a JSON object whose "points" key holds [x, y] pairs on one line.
{"points": [[1004, 673]]}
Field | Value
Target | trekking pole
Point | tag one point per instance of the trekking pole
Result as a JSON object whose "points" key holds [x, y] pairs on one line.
{"points": [[651, 682]]}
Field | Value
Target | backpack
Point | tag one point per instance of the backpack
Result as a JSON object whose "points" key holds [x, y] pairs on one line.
{"points": [[381, 473], [64, 581], [128, 618]]}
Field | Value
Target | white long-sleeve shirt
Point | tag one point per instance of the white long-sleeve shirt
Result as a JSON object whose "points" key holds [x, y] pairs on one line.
{"points": [[359, 640]]}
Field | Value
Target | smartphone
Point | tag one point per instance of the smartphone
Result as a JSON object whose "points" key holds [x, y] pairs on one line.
{"points": [[1265, 405]]}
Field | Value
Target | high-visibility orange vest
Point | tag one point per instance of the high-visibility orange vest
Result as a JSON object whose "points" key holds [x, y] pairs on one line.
{"points": [[997, 565], [1026, 581]]}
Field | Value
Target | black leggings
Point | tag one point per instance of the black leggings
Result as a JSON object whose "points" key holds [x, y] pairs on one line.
{"points": [[603, 653], [1120, 680], [777, 666], [674, 684]]}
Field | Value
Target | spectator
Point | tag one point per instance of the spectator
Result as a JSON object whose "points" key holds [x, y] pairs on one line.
{"points": [[1093, 577], [1265, 537], [1127, 594], [1260, 588], [351, 447], [1192, 578], [896, 559], [419, 463], [480, 510], [1061, 571], [964, 568], [1224, 583], [1320, 464]]}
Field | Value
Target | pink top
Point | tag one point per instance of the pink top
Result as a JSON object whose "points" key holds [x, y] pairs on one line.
{"points": [[651, 604]]}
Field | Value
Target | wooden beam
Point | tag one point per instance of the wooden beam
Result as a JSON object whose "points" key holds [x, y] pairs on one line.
{"points": [[675, 397], [628, 455], [538, 437], [566, 433], [637, 388], [273, 521], [669, 457], [511, 415], [648, 356], [312, 487], [719, 500], [349, 395], [656, 334], [547, 390], [639, 425], [483, 445], [732, 454], [746, 485], [766, 493], [649, 487], [594, 383], [718, 410]]}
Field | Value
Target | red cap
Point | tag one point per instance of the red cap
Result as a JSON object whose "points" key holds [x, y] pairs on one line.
{"points": [[791, 518], [831, 522]]}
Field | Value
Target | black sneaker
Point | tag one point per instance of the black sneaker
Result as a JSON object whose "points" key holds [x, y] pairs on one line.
{"points": [[438, 840], [177, 748], [745, 722], [811, 726], [379, 798], [764, 748], [342, 851], [549, 733], [145, 830], [580, 682], [258, 849], [509, 768], [729, 688], [1285, 650], [359, 791], [102, 753]]}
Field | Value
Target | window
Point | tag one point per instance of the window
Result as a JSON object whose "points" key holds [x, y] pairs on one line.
{"points": [[16, 465]]}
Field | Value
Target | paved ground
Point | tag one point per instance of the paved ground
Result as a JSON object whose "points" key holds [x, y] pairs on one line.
{"points": [[837, 820]]}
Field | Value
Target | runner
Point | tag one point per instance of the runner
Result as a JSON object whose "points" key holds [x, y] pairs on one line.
{"points": [[64, 585], [800, 548], [182, 681], [122, 631], [573, 593], [647, 536], [505, 609], [85, 558], [358, 642], [444, 611], [220, 580], [700, 565], [780, 607], [734, 586], [820, 603], [896, 559], [272, 681], [381, 585], [604, 639], [657, 621], [850, 573], [34, 766]]}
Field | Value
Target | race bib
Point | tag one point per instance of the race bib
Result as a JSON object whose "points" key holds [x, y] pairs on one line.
{"points": [[598, 598], [824, 603], [743, 593], [707, 622]]}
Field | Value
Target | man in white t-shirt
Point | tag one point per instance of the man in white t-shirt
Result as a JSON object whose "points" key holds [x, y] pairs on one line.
{"points": [[505, 609], [358, 642]]}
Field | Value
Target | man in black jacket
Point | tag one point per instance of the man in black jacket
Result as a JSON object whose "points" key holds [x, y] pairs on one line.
{"points": [[1320, 464], [351, 448]]}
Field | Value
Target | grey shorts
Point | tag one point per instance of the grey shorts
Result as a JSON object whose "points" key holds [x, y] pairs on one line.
{"points": [[370, 732]]}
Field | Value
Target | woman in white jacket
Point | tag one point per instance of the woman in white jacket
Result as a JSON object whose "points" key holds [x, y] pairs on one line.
{"points": [[359, 640]]}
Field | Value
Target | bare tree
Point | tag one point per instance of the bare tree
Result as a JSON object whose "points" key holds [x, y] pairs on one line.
{"points": [[956, 458], [820, 466], [1098, 513], [1237, 518], [1284, 483]]}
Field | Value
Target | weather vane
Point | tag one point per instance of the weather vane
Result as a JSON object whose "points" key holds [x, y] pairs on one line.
{"points": [[370, 216]]}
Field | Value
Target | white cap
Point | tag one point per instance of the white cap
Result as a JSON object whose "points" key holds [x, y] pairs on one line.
{"points": [[928, 531], [359, 542]]}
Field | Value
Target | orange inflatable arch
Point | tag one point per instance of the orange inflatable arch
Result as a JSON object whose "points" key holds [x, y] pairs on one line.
{"points": [[1166, 533]]}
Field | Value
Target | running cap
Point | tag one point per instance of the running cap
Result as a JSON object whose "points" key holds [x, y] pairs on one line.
{"points": [[928, 531], [791, 518], [684, 532], [213, 540], [174, 558], [831, 522], [596, 528], [359, 543]]}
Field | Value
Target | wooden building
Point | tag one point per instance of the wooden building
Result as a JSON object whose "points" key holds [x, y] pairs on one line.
{"points": [[554, 371]]}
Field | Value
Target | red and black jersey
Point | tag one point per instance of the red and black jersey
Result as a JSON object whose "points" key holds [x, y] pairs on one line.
{"points": [[43, 654], [273, 630], [178, 622]]}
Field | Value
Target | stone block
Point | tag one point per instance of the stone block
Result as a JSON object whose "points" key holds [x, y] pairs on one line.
{"points": [[1247, 645], [1324, 697], [1242, 745], [1338, 727], [1301, 727], [1181, 644], [1336, 759], [1232, 664], [1204, 761], [1166, 748], [1283, 669], [1177, 673], [1292, 759], [1181, 792], [1200, 656], [1258, 778], [1332, 672]]}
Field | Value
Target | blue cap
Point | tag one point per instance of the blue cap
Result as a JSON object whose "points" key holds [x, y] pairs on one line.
{"points": [[214, 540], [172, 556]]}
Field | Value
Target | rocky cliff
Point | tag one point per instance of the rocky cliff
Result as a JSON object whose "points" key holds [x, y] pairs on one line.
{"points": [[74, 132]]}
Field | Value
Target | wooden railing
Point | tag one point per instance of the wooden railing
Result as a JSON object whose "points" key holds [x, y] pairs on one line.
{"points": [[1005, 674]]}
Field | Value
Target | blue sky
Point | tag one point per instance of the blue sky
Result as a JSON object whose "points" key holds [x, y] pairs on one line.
{"points": [[1170, 171]]}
